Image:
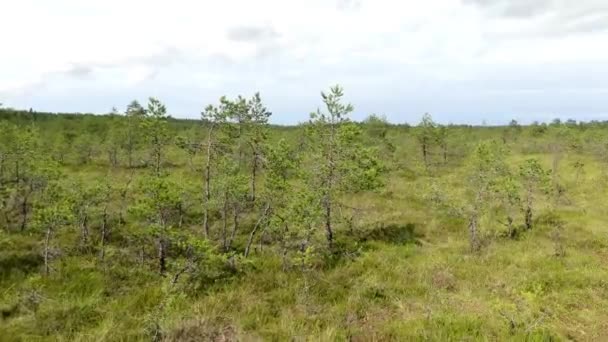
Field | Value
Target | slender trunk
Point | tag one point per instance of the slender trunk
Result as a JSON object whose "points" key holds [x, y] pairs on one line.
{"points": [[84, 227], [47, 248], [179, 274], [5, 212], [2, 170], [235, 226], [17, 172], [424, 154], [157, 157], [162, 246], [123, 200], [554, 166], [303, 248], [306, 242], [528, 213], [255, 229], [191, 162], [130, 144], [285, 264], [104, 234], [254, 170], [142, 254], [121, 216], [24, 206], [207, 190], [130, 157], [113, 157], [261, 242], [528, 218], [180, 210], [473, 233], [328, 228], [162, 256], [510, 227], [445, 154], [121, 212], [328, 195], [225, 223]]}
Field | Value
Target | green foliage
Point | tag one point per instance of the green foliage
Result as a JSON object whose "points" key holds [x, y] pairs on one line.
{"points": [[533, 175], [338, 163], [57, 209], [155, 131], [427, 133], [398, 267]]}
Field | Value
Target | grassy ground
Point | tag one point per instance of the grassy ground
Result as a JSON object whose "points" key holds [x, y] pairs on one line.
{"points": [[411, 277]]}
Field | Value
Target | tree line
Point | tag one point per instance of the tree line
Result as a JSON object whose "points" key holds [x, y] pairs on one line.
{"points": [[246, 189], [245, 186]]}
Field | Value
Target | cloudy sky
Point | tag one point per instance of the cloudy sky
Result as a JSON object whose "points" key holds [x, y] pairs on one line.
{"points": [[460, 60]]}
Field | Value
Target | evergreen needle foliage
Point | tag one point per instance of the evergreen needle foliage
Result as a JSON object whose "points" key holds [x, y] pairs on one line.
{"points": [[138, 226]]}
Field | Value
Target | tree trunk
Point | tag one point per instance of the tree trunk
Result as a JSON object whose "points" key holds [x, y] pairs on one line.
{"points": [[157, 157], [84, 227], [142, 254], [47, 247], [123, 200], [17, 172], [180, 209], [113, 157], [255, 229], [285, 263], [130, 145], [24, 206], [528, 213], [130, 157], [234, 227], [328, 228], [473, 233], [261, 242], [510, 227], [2, 170], [328, 195], [424, 154], [121, 212], [528, 218], [207, 190], [162, 256], [104, 234], [225, 224], [254, 171]]}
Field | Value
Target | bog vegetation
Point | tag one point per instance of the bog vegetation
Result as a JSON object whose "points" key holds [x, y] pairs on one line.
{"points": [[138, 226]]}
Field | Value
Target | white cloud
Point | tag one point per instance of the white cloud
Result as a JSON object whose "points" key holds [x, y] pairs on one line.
{"points": [[400, 56]]}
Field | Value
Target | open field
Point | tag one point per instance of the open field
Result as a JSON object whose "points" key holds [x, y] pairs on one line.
{"points": [[127, 257]]}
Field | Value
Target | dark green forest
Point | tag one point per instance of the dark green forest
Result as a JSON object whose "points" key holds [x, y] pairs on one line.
{"points": [[135, 225]]}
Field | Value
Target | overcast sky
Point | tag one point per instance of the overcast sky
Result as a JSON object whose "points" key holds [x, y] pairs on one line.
{"points": [[460, 60]]}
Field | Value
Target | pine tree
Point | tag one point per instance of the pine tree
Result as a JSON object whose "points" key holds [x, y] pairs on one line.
{"points": [[534, 179], [339, 164]]}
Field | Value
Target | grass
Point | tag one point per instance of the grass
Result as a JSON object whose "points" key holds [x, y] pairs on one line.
{"points": [[410, 277]]}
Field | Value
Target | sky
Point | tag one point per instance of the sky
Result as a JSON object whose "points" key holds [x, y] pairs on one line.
{"points": [[462, 61]]}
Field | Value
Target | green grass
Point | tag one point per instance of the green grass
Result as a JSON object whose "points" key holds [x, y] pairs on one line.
{"points": [[410, 276]]}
